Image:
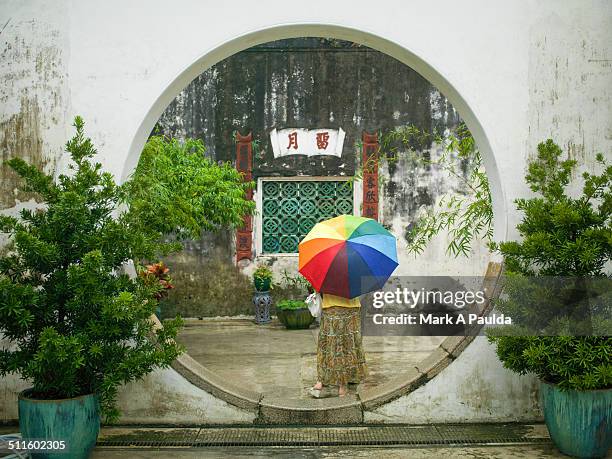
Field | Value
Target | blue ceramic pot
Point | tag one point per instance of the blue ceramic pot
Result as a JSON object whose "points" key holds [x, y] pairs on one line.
{"points": [[579, 422], [76, 421], [262, 284]]}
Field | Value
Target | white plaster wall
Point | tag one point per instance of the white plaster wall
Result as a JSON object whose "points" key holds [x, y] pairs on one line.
{"points": [[474, 388], [516, 71], [569, 75], [165, 397]]}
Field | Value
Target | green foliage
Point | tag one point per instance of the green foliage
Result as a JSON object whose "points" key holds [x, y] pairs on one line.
{"points": [[580, 363], [291, 304], [75, 323], [263, 272], [560, 236], [295, 282], [466, 218], [176, 189]]}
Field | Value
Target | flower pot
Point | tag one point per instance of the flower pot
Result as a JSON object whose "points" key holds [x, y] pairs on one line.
{"points": [[295, 319], [75, 421], [579, 422], [262, 284]]}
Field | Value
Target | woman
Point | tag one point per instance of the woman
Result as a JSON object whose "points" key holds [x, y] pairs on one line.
{"points": [[340, 356]]}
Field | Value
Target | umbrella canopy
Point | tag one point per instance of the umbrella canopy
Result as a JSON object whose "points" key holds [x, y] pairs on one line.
{"points": [[347, 256]]}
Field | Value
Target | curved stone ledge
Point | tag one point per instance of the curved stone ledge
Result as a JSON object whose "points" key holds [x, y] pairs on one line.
{"points": [[200, 376], [335, 410], [349, 410]]}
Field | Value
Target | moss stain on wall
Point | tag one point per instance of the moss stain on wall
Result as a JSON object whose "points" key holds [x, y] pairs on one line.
{"points": [[20, 137], [33, 95]]}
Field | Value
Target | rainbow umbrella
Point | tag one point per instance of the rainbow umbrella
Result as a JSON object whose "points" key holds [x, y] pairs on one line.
{"points": [[347, 256]]}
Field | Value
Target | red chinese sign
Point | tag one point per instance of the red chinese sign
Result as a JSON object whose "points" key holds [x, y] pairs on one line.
{"points": [[244, 164], [369, 156]]}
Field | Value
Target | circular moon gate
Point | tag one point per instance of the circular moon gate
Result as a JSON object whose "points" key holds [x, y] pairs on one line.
{"points": [[329, 410]]}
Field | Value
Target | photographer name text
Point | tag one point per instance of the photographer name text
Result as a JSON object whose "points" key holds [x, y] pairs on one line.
{"points": [[435, 319]]}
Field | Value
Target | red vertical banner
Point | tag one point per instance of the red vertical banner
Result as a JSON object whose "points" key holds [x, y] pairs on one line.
{"points": [[369, 161], [244, 165]]}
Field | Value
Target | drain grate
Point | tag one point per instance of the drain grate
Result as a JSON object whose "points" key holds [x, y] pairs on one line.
{"points": [[387, 435]]}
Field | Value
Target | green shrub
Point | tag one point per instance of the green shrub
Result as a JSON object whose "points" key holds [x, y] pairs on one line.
{"points": [[177, 189], [291, 304], [263, 273], [561, 236], [74, 322], [572, 362], [295, 282]]}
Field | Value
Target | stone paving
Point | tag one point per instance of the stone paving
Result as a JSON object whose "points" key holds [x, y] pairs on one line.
{"points": [[324, 435], [459, 452], [461, 441], [479, 441], [275, 361]]}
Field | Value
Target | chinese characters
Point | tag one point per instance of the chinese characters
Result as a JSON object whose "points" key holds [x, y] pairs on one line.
{"points": [[308, 142], [322, 140], [293, 140]]}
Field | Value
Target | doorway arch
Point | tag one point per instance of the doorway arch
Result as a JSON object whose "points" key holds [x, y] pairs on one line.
{"points": [[327, 410]]}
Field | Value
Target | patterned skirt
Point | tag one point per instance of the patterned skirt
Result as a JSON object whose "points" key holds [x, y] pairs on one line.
{"points": [[340, 356]]}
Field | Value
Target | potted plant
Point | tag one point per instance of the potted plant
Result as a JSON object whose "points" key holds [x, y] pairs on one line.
{"points": [[76, 325], [294, 314], [262, 278], [568, 236]]}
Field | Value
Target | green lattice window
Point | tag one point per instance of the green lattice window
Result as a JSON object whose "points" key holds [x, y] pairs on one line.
{"points": [[291, 208]]}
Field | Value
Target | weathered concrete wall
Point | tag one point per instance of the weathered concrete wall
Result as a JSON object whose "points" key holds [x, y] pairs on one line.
{"points": [[34, 101], [303, 83], [570, 63], [165, 397], [474, 388], [308, 83], [495, 61], [162, 397], [34, 91]]}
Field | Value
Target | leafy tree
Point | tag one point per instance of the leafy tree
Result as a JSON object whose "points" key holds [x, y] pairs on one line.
{"points": [[74, 322], [566, 236], [176, 189], [466, 218], [561, 235]]}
